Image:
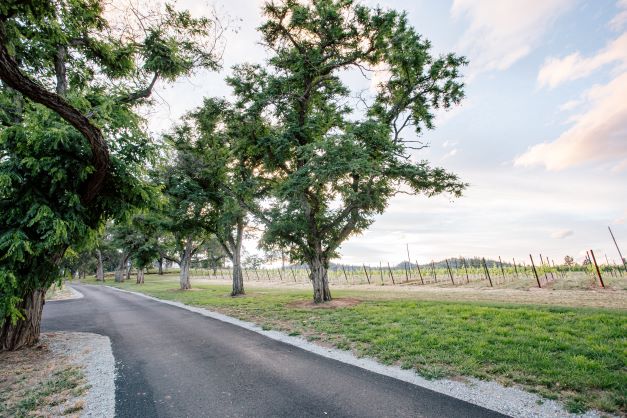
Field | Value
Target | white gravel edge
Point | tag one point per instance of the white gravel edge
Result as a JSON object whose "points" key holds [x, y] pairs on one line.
{"points": [[511, 401], [75, 295], [92, 352]]}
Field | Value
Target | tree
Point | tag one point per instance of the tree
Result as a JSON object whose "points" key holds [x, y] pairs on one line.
{"points": [[333, 167], [190, 194], [220, 136], [72, 144], [569, 261]]}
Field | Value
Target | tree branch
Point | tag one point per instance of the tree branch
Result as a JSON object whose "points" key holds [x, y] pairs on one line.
{"points": [[11, 75]]}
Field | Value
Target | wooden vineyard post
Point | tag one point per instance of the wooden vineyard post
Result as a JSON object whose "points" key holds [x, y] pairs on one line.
{"points": [[502, 269], [546, 276], [408, 260], [366, 271], [535, 272], [618, 249], [344, 271], [435, 275], [406, 274], [485, 266], [515, 268], [466, 270], [381, 272], [391, 275], [419, 272], [450, 273], [597, 268]]}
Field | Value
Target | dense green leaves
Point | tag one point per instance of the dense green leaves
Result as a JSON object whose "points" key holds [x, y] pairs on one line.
{"points": [[331, 166], [102, 71]]}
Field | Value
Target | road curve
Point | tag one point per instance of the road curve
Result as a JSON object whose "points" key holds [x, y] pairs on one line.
{"points": [[175, 363]]}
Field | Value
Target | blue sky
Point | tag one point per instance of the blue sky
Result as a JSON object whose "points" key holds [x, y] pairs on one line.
{"points": [[541, 136]]}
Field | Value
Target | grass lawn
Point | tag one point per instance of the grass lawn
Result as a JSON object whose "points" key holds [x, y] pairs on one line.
{"points": [[577, 355]]}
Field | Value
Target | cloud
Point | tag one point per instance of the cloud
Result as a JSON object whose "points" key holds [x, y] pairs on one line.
{"points": [[569, 105], [502, 32], [619, 21], [556, 71], [562, 233], [599, 134]]}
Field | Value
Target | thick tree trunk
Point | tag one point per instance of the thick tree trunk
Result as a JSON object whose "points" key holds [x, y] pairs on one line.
{"points": [[140, 276], [185, 265], [121, 270], [99, 268], [24, 332], [238, 278], [319, 279], [160, 263]]}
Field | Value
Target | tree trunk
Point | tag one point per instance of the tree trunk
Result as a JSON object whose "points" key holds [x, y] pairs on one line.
{"points": [[238, 278], [129, 267], [121, 270], [25, 332], [140, 276], [185, 264], [319, 279], [99, 268], [160, 263]]}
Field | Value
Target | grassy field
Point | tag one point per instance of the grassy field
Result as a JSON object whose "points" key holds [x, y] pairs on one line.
{"points": [[577, 355]]}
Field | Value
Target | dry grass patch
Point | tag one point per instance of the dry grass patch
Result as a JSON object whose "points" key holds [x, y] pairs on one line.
{"points": [[35, 382]]}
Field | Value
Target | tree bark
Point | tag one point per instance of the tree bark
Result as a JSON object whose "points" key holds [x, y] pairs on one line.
{"points": [[140, 276], [319, 278], [185, 264], [238, 278], [99, 269], [24, 332], [121, 270]]}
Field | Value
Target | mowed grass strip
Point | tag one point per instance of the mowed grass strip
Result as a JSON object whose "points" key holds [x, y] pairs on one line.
{"points": [[577, 355]]}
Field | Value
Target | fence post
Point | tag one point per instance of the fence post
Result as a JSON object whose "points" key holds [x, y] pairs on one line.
{"points": [[391, 275], [502, 269], [535, 272], [466, 269], [419, 272], [409, 261], [485, 266], [515, 268], [381, 271], [618, 249], [366, 271], [597, 267], [435, 275], [450, 273]]}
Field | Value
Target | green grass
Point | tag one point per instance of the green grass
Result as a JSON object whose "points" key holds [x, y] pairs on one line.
{"points": [[577, 355], [68, 379]]}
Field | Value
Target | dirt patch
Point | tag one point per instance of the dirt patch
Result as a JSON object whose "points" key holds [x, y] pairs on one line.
{"points": [[39, 382], [335, 303]]}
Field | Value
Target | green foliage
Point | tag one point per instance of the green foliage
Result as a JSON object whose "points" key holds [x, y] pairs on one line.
{"points": [[331, 168], [104, 71]]}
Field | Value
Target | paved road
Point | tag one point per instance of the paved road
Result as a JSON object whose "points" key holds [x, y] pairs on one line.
{"points": [[175, 363]]}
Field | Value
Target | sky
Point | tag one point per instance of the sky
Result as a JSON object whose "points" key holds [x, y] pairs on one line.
{"points": [[541, 136]]}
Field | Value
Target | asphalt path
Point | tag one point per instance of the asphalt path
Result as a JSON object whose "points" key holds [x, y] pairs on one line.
{"points": [[175, 363]]}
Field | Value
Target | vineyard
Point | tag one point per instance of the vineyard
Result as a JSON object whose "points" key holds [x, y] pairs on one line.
{"points": [[454, 272]]}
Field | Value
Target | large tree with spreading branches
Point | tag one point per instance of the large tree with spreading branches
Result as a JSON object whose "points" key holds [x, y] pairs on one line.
{"points": [[333, 162], [72, 143]]}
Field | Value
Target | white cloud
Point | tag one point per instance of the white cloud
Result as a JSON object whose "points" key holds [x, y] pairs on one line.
{"points": [[556, 71], [562, 233], [503, 31], [569, 105], [599, 134], [619, 21]]}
